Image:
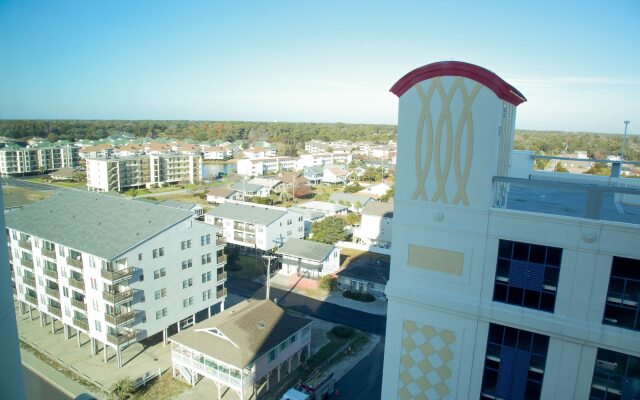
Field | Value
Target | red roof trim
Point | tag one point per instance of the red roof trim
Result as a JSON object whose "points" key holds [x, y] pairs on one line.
{"points": [[501, 88]]}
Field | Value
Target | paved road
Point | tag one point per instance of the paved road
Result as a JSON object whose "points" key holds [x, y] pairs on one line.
{"points": [[37, 388], [329, 312], [364, 381]]}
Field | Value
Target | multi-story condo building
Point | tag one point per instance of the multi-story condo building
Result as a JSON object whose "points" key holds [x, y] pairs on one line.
{"points": [[310, 160], [265, 166], [505, 283], [375, 226], [121, 173], [114, 269], [16, 160], [255, 226], [246, 348]]}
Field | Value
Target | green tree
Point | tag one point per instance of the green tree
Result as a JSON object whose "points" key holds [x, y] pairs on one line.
{"points": [[351, 219], [599, 169], [328, 283], [329, 230], [541, 163], [353, 188], [560, 168], [389, 195], [122, 390]]}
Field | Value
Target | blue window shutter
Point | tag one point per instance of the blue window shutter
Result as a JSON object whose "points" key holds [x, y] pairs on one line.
{"points": [[505, 372], [520, 372], [526, 275]]}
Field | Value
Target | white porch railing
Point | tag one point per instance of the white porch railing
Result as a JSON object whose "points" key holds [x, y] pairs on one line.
{"points": [[211, 372]]}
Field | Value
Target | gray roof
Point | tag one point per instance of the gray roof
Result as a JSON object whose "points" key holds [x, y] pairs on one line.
{"points": [[247, 212], [255, 327], [306, 249], [307, 212], [221, 192], [378, 208], [101, 225], [247, 187], [323, 206], [183, 205], [349, 198], [367, 271]]}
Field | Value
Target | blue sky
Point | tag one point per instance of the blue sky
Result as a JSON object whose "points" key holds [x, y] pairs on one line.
{"points": [[578, 63]]}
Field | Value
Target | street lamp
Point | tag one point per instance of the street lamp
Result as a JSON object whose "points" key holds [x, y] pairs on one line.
{"points": [[624, 140]]}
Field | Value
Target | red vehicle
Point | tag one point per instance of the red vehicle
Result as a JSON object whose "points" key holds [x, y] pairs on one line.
{"points": [[318, 387]]}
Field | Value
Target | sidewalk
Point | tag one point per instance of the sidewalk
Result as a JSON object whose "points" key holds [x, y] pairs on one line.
{"points": [[309, 287]]}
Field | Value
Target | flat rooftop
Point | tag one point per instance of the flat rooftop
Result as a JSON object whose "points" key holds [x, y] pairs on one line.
{"points": [[599, 202]]}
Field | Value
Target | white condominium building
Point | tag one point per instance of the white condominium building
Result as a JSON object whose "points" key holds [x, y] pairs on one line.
{"points": [[256, 226], [15, 160], [114, 269], [118, 174], [265, 166], [505, 283]]}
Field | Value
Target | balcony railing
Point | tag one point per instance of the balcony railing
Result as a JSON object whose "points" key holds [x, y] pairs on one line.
{"points": [[55, 310], [222, 276], [221, 293], [122, 338], [119, 297], [49, 253], [222, 259], [31, 299], [75, 263], [78, 284], [117, 319], [52, 292], [24, 244], [27, 263], [117, 275], [220, 240], [29, 281], [82, 323], [51, 273], [79, 304]]}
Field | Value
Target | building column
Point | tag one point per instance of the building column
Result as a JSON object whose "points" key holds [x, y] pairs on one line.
{"points": [[104, 352], [164, 337], [268, 378], [222, 306], [209, 312], [194, 319], [94, 346], [53, 325], [219, 390], [119, 357], [78, 336], [30, 313], [42, 321], [65, 329], [279, 367], [178, 326], [289, 367]]}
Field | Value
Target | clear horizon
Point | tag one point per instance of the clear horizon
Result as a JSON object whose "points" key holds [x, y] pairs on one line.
{"points": [[577, 62]]}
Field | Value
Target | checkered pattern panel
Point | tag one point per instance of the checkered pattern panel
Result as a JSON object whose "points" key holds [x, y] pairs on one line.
{"points": [[425, 360]]}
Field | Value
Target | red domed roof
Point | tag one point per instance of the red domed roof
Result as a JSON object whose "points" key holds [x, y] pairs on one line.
{"points": [[501, 88]]}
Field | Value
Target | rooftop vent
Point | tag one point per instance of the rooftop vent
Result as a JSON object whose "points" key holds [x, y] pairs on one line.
{"points": [[260, 325]]}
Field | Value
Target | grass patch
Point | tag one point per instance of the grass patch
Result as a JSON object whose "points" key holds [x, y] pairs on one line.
{"points": [[16, 196], [363, 297], [342, 331], [47, 181], [166, 387]]}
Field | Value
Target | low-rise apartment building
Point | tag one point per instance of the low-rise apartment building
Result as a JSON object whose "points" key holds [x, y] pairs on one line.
{"points": [[114, 269], [255, 226], [250, 346], [118, 174], [38, 158], [375, 226], [307, 258], [265, 166]]}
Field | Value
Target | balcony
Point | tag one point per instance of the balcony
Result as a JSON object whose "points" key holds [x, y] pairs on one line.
{"points": [[49, 253], [75, 263], [31, 299], [29, 281], [27, 263], [118, 297], [220, 240], [222, 259], [24, 244], [51, 273], [118, 319], [54, 310], [79, 304], [78, 284], [222, 276], [81, 323], [121, 338], [221, 293], [52, 292], [117, 275]]}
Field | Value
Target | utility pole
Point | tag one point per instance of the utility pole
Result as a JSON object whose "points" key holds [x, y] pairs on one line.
{"points": [[269, 257], [624, 140]]}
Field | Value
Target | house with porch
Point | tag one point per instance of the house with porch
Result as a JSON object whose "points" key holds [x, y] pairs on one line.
{"points": [[370, 277], [219, 195], [246, 348], [308, 258]]}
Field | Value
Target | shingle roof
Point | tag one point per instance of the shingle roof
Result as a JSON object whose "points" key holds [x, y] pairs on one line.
{"points": [[247, 187], [246, 212], [306, 249], [378, 208], [373, 272], [255, 327], [349, 198], [101, 225], [221, 192]]}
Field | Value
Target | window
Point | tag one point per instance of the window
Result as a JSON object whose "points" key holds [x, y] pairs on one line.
{"points": [[65, 291], [98, 326], [292, 339], [283, 345], [94, 284], [159, 273], [514, 364], [206, 258], [206, 277], [139, 256], [623, 297], [187, 283], [527, 275], [155, 253], [159, 252], [187, 264], [187, 302], [272, 355], [96, 305], [615, 376], [204, 240], [185, 244], [206, 295], [160, 293], [161, 313]]}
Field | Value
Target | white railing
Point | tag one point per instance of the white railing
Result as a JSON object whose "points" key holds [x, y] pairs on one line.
{"points": [[142, 381], [210, 372]]}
